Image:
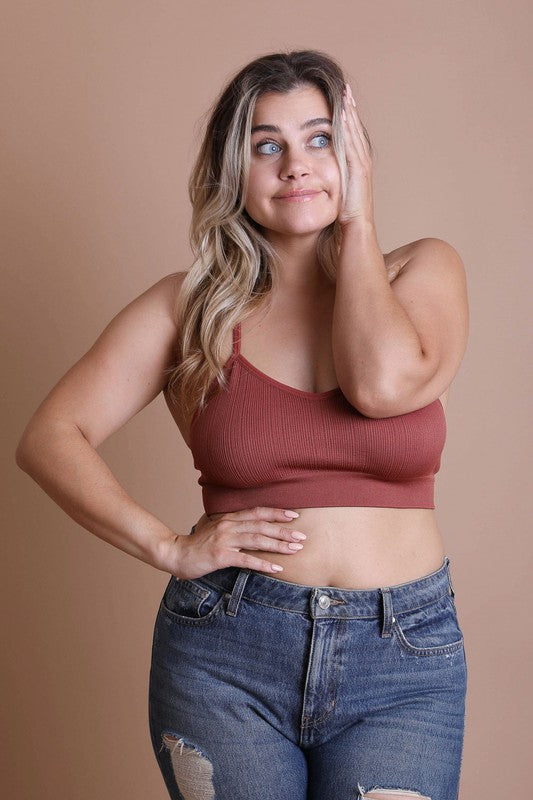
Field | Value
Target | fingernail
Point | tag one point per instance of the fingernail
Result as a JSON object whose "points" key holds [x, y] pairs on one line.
{"points": [[298, 535], [295, 546], [291, 514]]}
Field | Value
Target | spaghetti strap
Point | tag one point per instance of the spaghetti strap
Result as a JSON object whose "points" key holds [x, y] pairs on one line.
{"points": [[237, 339]]}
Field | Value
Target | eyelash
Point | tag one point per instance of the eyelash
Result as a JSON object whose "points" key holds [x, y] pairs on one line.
{"points": [[263, 143]]}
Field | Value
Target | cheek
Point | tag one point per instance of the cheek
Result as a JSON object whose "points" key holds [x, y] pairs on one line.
{"points": [[334, 176], [328, 172], [256, 186], [251, 192]]}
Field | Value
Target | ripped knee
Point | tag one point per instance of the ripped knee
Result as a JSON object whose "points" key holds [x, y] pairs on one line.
{"points": [[390, 794], [192, 769]]}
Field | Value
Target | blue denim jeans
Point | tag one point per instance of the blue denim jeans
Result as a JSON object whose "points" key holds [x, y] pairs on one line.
{"points": [[264, 689]]}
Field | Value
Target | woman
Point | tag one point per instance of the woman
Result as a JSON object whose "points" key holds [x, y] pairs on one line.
{"points": [[308, 373]]}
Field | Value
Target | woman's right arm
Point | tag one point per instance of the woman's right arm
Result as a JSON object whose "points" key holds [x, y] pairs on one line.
{"points": [[119, 375]]}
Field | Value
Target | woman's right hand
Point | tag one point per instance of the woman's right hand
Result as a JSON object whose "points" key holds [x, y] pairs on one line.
{"points": [[216, 543]]}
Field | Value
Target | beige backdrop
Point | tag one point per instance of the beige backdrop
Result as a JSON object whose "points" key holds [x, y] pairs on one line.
{"points": [[100, 101]]}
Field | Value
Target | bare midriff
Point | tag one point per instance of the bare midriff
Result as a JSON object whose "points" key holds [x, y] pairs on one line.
{"points": [[349, 547], [359, 547]]}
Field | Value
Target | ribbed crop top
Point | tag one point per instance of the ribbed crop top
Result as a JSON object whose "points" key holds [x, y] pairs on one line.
{"points": [[263, 443]]}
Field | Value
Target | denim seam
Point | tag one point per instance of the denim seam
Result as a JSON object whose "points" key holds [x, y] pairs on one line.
{"points": [[194, 621], [421, 651], [416, 608], [306, 614], [309, 721]]}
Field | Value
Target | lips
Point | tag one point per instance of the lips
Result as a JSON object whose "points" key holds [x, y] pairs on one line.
{"points": [[301, 194]]}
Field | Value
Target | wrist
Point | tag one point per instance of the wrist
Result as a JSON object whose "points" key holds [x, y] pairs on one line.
{"points": [[166, 553], [362, 226]]}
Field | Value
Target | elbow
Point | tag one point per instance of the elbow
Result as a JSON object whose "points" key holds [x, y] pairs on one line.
{"points": [[21, 457], [29, 444], [24, 452], [375, 403], [369, 405], [376, 406]]}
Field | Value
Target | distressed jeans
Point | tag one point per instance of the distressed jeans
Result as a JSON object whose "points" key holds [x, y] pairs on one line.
{"points": [[264, 689]]}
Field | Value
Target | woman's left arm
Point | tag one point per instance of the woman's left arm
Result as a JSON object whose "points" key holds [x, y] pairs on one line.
{"points": [[396, 346]]}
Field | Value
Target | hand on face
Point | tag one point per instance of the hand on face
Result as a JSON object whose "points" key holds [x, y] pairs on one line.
{"points": [[359, 203]]}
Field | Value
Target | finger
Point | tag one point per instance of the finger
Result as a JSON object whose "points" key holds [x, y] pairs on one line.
{"points": [[265, 529], [269, 513], [354, 116], [252, 562], [258, 541], [352, 139]]}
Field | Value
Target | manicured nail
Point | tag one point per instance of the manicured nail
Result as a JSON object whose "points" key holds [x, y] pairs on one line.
{"points": [[291, 514]]}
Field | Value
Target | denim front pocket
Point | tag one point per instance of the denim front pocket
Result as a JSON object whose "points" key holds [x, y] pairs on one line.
{"points": [[192, 602], [431, 630]]}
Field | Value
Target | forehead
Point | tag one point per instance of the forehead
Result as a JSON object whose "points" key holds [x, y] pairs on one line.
{"points": [[290, 108]]}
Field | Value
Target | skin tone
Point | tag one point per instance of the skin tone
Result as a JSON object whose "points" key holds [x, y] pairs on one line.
{"points": [[290, 159], [125, 369], [291, 151]]}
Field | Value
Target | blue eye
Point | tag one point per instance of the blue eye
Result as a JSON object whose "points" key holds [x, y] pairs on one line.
{"points": [[325, 137], [267, 144]]}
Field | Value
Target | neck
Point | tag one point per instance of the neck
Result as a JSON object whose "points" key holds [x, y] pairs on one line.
{"points": [[298, 271]]}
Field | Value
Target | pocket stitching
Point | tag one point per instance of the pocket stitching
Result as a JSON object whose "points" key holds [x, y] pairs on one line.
{"points": [[427, 651], [185, 620]]}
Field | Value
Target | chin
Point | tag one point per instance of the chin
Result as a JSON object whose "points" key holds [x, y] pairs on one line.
{"points": [[297, 227], [292, 230]]}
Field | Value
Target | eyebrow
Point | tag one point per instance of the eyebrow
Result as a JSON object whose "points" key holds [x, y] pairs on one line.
{"points": [[309, 124]]}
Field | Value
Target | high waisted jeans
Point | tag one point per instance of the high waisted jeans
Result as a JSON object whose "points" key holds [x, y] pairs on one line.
{"points": [[263, 689]]}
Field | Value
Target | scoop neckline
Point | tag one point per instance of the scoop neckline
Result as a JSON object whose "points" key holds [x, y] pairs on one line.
{"points": [[238, 356], [328, 393], [268, 379]]}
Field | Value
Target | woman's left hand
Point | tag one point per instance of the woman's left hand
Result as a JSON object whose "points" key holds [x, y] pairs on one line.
{"points": [[359, 203]]}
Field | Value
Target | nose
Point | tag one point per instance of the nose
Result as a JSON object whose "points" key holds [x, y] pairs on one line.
{"points": [[293, 165]]}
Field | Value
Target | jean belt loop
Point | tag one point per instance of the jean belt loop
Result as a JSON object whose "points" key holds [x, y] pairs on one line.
{"points": [[388, 618], [447, 563], [236, 592]]}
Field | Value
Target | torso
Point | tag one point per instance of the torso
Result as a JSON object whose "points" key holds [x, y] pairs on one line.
{"points": [[348, 547]]}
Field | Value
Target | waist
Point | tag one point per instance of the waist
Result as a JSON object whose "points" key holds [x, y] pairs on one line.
{"points": [[342, 603], [359, 547]]}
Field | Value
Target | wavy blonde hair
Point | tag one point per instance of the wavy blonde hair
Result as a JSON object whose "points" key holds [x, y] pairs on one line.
{"points": [[232, 270]]}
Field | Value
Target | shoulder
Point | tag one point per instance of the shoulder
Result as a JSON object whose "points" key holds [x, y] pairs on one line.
{"points": [[432, 289], [163, 295], [171, 284], [432, 255], [432, 276]]}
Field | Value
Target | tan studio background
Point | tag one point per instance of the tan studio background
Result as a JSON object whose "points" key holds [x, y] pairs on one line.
{"points": [[100, 104]]}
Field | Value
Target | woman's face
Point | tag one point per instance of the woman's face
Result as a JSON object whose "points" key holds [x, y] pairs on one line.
{"points": [[292, 151]]}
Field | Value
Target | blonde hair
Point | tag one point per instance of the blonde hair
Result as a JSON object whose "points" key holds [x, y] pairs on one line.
{"points": [[232, 270]]}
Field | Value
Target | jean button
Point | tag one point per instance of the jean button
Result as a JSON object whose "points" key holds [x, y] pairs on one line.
{"points": [[324, 601]]}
